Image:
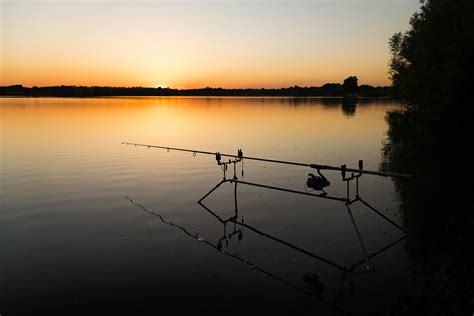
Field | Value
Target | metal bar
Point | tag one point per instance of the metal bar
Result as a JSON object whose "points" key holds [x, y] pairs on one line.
{"points": [[177, 149], [393, 243], [294, 247], [235, 199], [315, 166], [235, 256], [358, 236], [385, 217], [213, 189], [357, 187], [213, 214], [322, 195], [242, 224], [376, 173], [348, 190]]}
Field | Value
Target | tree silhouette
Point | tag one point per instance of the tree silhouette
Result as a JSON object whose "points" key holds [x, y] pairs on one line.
{"points": [[329, 89], [430, 69], [350, 85], [430, 62]]}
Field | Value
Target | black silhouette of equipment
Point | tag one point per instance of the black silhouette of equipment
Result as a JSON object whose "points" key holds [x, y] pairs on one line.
{"points": [[312, 284], [317, 183]]}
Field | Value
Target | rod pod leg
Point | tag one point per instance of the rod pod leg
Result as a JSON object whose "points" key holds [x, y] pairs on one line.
{"points": [[212, 190], [235, 199], [369, 267]]}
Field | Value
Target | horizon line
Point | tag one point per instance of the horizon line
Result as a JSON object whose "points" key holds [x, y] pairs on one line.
{"points": [[171, 88]]}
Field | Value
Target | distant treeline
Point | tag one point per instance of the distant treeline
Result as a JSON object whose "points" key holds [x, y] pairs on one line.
{"points": [[329, 89]]}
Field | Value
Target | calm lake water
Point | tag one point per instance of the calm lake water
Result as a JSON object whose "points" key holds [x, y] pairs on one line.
{"points": [[71, 240]]}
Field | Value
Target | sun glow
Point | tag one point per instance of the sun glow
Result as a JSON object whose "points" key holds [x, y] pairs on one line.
{"points": [[194, 45]]}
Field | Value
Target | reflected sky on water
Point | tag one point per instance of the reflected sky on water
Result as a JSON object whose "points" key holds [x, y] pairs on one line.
{"points": [[72, 241]]}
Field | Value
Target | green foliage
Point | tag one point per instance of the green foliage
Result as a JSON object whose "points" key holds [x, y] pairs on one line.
{"points": [[430, 62]]}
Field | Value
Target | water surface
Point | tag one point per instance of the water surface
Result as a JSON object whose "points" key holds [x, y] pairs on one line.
{"points": [[77, 222]]}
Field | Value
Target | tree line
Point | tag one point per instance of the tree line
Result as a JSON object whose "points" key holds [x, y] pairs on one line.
{"points": [[329, 89], [431, 63], [431, 68]]}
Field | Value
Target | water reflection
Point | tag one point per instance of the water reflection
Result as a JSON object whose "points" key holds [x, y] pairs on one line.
{"points": [[349, 104], [218, 246], [313, 183], [312, 284], [348, 202], [235, 228], [62, 168], [434, 204]]}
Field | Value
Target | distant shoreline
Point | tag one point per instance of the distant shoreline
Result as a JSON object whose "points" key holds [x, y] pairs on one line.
{"points": [[193, 96], [333, 90]]}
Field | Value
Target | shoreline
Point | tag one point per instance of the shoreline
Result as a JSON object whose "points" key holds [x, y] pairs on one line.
{"points": [[327, 90], [193, 96]]}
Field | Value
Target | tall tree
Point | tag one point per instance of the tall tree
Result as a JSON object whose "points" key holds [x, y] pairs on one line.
{"points": [[430, 62]]}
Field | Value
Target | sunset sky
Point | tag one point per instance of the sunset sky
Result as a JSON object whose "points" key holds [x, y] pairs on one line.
{"points": [[189, 44]]}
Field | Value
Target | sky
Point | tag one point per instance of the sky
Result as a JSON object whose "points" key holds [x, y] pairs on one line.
{"points": [[191, 44]]}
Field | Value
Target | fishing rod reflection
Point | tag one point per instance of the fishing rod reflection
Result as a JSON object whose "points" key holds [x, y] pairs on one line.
{"points": [[219, 247], [235, 227], [235, 222], [347, 201], [314, 183]]}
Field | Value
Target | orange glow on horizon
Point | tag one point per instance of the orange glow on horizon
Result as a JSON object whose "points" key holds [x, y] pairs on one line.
{"points": [[179, 72], [178, 45], [44, 75]]}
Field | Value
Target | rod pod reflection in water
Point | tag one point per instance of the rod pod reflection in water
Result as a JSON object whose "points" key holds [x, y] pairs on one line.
{"points": [[317, 183], [312, 284]]}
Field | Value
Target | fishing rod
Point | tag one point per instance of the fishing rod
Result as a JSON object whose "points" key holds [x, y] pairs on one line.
{"points": [[313, 182], [342, 168]]}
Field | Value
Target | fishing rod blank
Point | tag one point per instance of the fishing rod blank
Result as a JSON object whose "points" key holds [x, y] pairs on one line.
{"points": [[314, 166], [317, 183]]}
